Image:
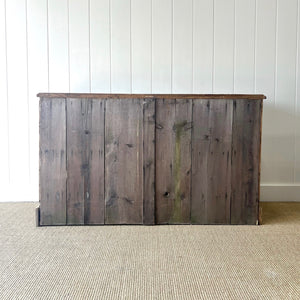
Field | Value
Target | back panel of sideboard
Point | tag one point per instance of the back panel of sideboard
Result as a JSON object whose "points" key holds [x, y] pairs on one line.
{"points": [[147, 160]]}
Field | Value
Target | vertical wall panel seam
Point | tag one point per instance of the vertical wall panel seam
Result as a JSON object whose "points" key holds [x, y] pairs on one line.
{"points": [[276, 53], [296, 93], [255, 45], [192, 83], [213, 46], [172, 43], [89, 24], [110, 56], [48, 60], [7, 104], [27, 90], [69, 67], [130, 40], [234, 46]]}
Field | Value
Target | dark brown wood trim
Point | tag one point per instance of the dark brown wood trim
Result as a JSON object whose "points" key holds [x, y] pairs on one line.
{"points": [[162, 96], [259, 207]]}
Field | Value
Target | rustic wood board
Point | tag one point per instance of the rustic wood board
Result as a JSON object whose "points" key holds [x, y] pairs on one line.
{"points": [[173, 160], [94, 184], [211, 161], [52, 162], [124, 161], [154, 96], [85, 161], [200, 150], [245, 161], [149, 161]]}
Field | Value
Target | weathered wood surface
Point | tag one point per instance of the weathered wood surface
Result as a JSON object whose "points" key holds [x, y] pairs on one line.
{"points": [[85, 161], [245, 161], [53, 173], [124, 161], [211, 162], [94, 187], [200, 154], [153, 96], [173, 160], [149, 161]]}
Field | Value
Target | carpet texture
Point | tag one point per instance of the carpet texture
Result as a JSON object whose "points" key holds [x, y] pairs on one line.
{"points": [[150, 262]]}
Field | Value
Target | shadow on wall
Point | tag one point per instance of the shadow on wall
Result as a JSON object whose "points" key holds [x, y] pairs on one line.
{"points": [[280, 161]]}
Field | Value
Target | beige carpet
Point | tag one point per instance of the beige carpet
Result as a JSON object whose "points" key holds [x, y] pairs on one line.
{"points": [[150, 262]]}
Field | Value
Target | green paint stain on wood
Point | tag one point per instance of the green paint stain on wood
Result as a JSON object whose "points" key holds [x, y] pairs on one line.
{"points": [[177, 216], [109, 138]]}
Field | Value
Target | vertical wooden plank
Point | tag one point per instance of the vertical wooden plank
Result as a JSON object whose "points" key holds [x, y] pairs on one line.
{"points": [[183, 46], [161, 46], [149, 162], [223, 46], [164, 153], [246, 130], [76, 160], [100, 45], [17, 97], [4, 153], [52, 161], [265, 48], [173, 160], [297, 110], [37, 79], [85, 153], [94, 177], [283, 147], [211, 161], [265, 65], [58, 45], [203, 30], [120, 46], [79, 46], [124, 161], [244, 46], [200, 155], [219, 163], [141, 45]]}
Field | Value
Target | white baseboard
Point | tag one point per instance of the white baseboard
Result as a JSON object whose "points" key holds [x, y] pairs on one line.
{"points": [[280, 192]]}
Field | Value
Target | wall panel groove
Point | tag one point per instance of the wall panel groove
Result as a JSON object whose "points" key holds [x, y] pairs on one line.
{"points": [[148, 46], [4, 129]]}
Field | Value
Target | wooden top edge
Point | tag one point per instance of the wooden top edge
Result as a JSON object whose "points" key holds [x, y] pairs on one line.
{"points": [[165, 96]]}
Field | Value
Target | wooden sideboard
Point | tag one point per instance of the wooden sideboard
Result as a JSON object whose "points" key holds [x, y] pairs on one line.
{"points": [[149, 159]]}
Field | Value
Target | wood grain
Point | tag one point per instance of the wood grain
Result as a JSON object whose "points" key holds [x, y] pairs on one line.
{"points": [[124, 161], [149, 162], [200, 151], [52, 162], [173, 160], [76, 161], [245, 161], [156, 96], [85, 144], [94, 183], [211, 162]]}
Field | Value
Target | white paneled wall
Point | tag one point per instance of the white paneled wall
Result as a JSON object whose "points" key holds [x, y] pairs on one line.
{"points": [[149, 46]]}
